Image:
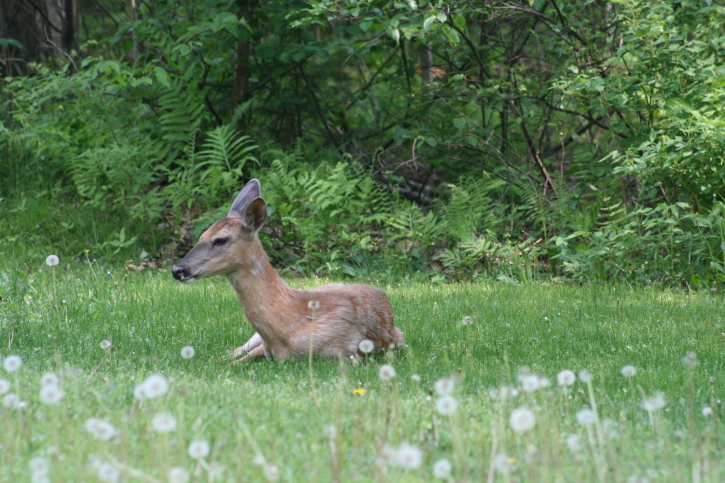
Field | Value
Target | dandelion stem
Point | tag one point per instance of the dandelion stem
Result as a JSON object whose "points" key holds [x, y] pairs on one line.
{"points": [[312, 378]]}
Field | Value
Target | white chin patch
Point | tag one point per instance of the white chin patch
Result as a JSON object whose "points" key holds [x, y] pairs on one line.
{"points": [[189, 280]]}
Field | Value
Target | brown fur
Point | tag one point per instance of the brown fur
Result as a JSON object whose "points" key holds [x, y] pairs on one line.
{"points": [[347, 314]]}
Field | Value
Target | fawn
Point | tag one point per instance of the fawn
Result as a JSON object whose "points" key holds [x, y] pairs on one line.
{"points": [[341, 316]]}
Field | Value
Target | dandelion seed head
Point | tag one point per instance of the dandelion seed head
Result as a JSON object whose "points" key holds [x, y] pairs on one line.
{"points": [[707, 411], [386, 372], [271, 472], [39, 478], [415, 378], [259, 460], [408, 457], [522, 420], [12, 401], [585, 376], [49, 379], [503, 463], [12, 363], [574, 443], [446, 405], [629, 371], [445, 386], [366, 346], [467, 320], [199, 449], [637, 479], [163, 423], [52, 260], [105, 344], [4, 386], [529, 383], [155, 386], [100, 429], [139, 392], [188, 352], [313, 304], [585, 417], [330, 431], [566, 378], [442, 469], [108, 473], [178, 474], [39, 466], [690, 359], [654, 403], [51, 394]]}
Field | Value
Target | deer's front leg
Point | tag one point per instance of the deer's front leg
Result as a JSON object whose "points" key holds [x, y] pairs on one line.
{"points": [[254, 341], [257, 353]]}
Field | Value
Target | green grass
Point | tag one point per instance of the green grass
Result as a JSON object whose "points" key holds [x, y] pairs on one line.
{"points": [[56, 318]]}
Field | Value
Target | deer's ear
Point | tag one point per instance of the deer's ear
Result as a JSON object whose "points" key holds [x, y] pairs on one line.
{"points": [[249, 193], [255, 215]]}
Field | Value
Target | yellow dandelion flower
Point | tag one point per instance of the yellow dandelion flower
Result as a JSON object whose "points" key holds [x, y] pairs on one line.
{"points": [[360, 391]]}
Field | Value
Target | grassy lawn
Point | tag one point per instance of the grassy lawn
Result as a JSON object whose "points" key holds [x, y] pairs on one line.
{"points": [[261, 420]]}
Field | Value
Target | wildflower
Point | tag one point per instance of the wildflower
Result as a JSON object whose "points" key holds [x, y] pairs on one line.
{"points": [[12, 363], [105, 344], [100, 429], [585, 376], [654, 403], [467, 320], [387, 372], [543, 381], [566, 378], [522, 420], [444, 386], [442, 469], [39, 466], [585, 417], [446, 405], [360, 391], [415, 378], [330, 431], [108, 473], [51, 394], [574, 443], [153, 387], [435, 306], [177, 474], [707, 411], [629, 371], [271, 472], [163, 423], [139, 392], [49, 379], [529, 383], [11, 401], [188, 352], [199, 449], [313, 304], [408, 457], [690, 359], [52, 260], [4, 386], [366, 346], [259, 460], [504, 464]]}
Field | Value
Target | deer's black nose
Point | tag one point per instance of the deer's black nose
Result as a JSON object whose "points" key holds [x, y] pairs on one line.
{"points": [[179, 272]]}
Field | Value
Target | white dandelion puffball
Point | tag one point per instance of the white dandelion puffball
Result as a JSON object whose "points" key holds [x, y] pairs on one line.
{"points": [[529, 383], [11, 401], [522, 420], [139, 392], [153, 387], [177, 474], [199, 449], [629, 371], [566, 378], [12, 363], [313, 304], [446, 405], [51, 394], [707, 411], [52, 260], [108, 473], [654, 403], [105, 344], [49, 379], [467, 320], [39, 466], [330, 431], [415, 378], [387, 372], [4, 386], [503, 463], [100, 429], [163, 423], [408, 457], [271, 472], [574, 443], [585, 417], [690, 359], [445, 386], [366, 346], [188, 352], [442, 469], [585, 376]]}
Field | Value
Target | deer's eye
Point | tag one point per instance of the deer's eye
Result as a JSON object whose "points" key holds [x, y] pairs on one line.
{"points": [[220, 241]]}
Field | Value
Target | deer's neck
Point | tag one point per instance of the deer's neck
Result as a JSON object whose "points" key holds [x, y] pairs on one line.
{"points": [[269, 303]]}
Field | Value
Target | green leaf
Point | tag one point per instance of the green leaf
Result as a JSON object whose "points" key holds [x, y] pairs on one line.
{"points": [[428, 22], [365, 25], [162, 76], [459, 122]]}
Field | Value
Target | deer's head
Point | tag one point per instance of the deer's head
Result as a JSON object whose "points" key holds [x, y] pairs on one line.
{"points": [[224, 247]]}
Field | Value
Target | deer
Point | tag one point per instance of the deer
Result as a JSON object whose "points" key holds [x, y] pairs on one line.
{"points": [[329, 320]]}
